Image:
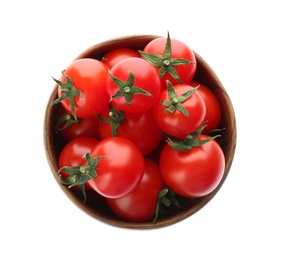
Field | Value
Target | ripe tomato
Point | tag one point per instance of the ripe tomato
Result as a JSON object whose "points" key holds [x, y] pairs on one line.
{"points": [[174, 60], [213, 113], [69, 128], [139, 205], [114, 56], [140, 128], [82, 90], [120, 171], [193, 173], [169, 114], [135, 85], [72, 155]]}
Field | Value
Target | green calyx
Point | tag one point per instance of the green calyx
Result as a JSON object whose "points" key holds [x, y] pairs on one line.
{"points": [[65, 120], [116, 118], [164, 62], [79, 175], [174, 102], [127, 88], [68, 91], [191, 141], [166, 198]]}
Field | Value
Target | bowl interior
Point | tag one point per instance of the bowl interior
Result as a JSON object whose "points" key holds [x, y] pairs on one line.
{"points": [[95, 205]]}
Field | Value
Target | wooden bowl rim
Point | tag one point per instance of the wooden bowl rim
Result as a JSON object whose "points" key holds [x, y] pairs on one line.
{"points": [[52, 161]]}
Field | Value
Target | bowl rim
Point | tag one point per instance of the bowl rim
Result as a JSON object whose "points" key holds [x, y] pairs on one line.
{"points": [[52, 161]]}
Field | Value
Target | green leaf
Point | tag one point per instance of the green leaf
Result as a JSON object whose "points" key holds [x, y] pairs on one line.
{"points": [[175, 102], [116, 119], [68, 91], [127, 88], [165, 199], [67, 120], [165, 62], [191, 141], [79, 175]]}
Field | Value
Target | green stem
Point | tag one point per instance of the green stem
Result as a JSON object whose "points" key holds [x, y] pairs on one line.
{"points": [[164, 62], [79, 175], [68, 91], [191, 141]]}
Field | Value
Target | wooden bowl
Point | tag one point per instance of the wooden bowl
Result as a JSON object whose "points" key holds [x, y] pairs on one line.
{"points": [[96, 207]]}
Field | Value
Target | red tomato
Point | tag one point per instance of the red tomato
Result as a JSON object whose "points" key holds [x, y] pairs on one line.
{"points": [[139, 205], [194, 173], [114, 56], [175, 122], [82, 90], [72, 155], [166, 63], [140, 128], [69, 128], [135, 85], [120, 171], [213, 109]]}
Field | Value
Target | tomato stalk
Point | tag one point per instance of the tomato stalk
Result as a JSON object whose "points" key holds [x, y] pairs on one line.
{"points": [[164, 62], [66, 120], [127, 88], [68, 92], [79, 175], [191, 141], [166, 198], [116, 118], [174, 102]]}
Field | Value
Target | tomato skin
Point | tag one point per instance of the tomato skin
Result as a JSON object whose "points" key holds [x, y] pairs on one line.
{"points": [[179, 49], [213, 109], [90, 76], [140, 128], [139, 204], [112, 57], [177, 124], [85, 127], [194, 173], [145, 77], [121, 171], [72, 153]]}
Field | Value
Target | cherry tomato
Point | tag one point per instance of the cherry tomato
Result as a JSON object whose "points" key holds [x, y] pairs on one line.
{"points": [[121, 168], [135, 85], [193, 173], [82, 88], [170, 52], [140, 128], [114, 56], [178, 117], [213, 113], [72, 155], [139, 205], [69, 128]]}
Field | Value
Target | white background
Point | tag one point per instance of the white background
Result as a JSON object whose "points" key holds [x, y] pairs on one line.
{"points": [[241, 40]]}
